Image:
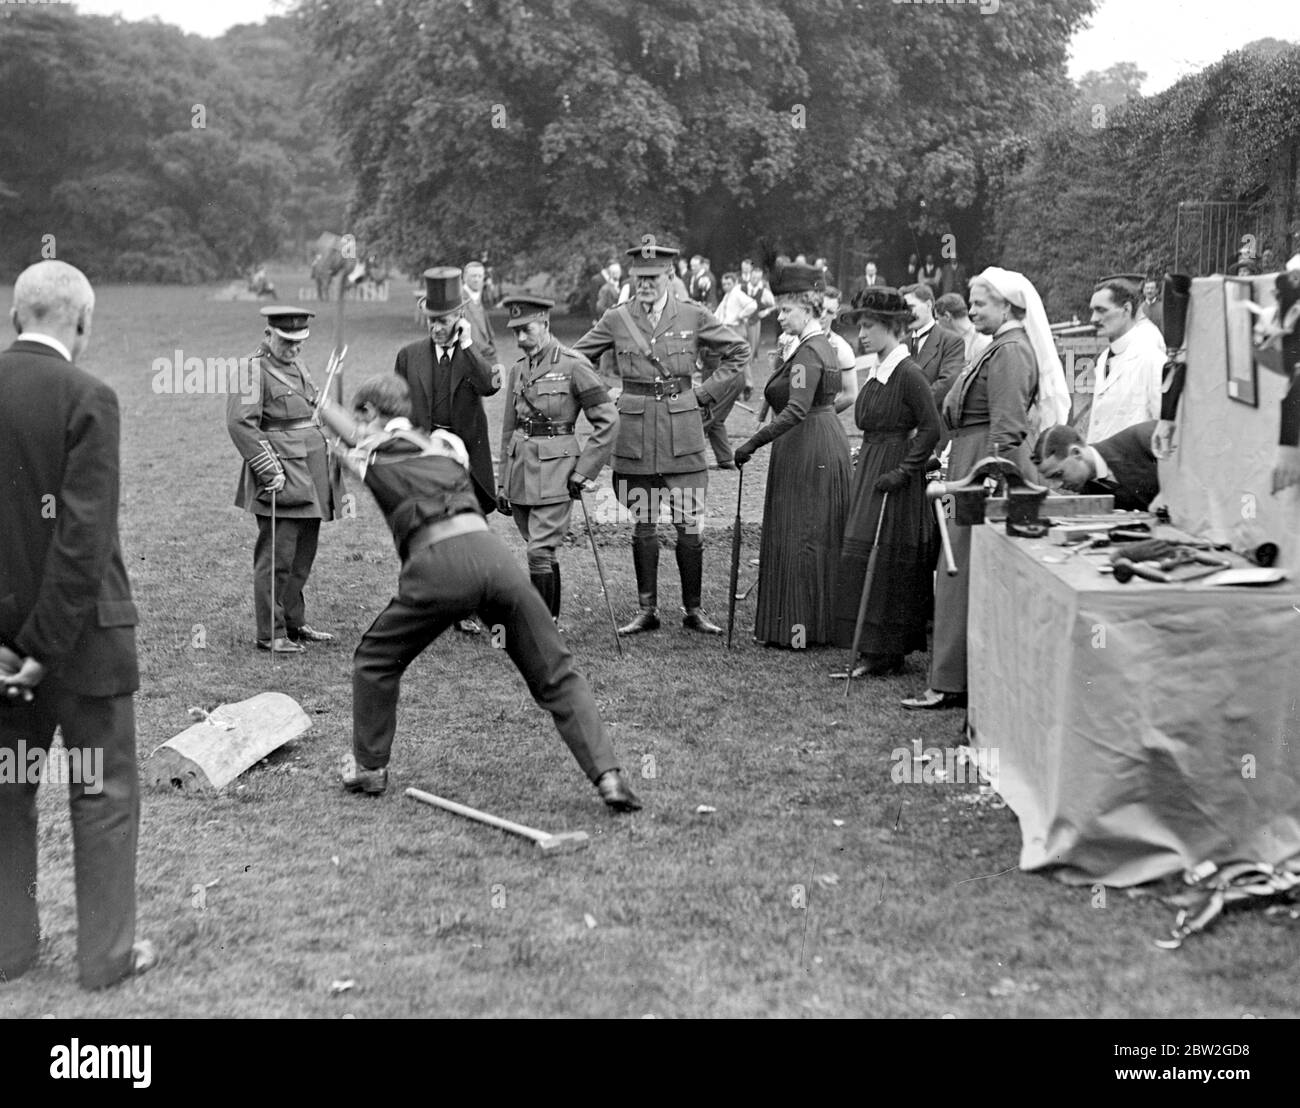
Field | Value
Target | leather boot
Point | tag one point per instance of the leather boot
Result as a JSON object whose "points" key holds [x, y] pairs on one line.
{"points": [[690, 564], [555, 592], [543, 583], [645, 560]]}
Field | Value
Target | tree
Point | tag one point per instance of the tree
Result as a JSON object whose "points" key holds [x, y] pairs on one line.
{"points": [[549, 131]]}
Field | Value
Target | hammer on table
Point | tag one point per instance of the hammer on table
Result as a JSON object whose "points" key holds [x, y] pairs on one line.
{"points": [[564, 842]]}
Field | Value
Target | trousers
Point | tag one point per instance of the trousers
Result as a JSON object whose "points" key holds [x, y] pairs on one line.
{"points": [[104, 794], [448, 581], [291, 561]]}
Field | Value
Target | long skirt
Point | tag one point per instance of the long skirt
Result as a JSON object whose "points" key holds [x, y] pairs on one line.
{"points": [[807, 496], [902, 587]]}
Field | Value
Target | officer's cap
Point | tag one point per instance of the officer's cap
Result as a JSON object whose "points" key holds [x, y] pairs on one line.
{"points": [[524, 309], [650, 259], [1137, 280], [291, 324]]}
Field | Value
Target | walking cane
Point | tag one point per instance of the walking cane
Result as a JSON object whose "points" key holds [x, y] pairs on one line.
{"points": [[272, 651], [735, 559], [600, 572], [866, 594]]}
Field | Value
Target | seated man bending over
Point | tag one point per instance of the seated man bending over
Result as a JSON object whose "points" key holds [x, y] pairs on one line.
{"points": [[452, 566]]}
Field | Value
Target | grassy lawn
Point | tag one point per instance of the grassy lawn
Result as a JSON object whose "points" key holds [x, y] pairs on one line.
{"points": [[817, 888]]}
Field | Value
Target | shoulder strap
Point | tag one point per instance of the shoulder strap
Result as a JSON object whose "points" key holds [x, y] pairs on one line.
{"points": [[634, 331]]}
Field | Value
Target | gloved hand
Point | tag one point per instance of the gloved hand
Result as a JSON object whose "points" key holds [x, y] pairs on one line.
{"points": [[743, 453], [579, 485], [890, 481], [503, 505]]}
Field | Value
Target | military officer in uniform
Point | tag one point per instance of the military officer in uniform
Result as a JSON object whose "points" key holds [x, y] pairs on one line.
{"points": [[287, 470], [660, 448], [543, 469], [449, 375]]}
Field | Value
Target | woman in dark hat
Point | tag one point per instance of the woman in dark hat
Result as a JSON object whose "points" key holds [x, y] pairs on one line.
{"points": [[900, 427], [808, 478]]}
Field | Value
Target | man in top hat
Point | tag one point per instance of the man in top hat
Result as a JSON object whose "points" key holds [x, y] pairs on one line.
{"points": [[289, 482], [660, 449], [543, 468], [448, 375], [1126, 387]]}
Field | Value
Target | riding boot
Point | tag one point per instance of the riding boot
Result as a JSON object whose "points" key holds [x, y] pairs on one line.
{"points": [[544, 584], [555, 592], [645, 560], [690, 564]]}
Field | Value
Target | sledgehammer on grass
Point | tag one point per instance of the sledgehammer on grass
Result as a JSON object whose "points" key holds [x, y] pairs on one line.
{"points": [[551, 844]]}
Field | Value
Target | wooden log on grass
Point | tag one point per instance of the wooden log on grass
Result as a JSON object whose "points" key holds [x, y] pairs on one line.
{"points": [[213, 752]]}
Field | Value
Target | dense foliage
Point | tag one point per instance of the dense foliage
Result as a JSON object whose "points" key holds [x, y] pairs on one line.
{"points": [[152, 155]]}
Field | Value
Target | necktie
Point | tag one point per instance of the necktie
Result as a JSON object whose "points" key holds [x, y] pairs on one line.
{"points": [[444, 357], [1105, 368], [913, 344]]}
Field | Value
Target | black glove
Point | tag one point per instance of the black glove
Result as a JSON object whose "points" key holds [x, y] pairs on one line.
{"points": [[576, 486], [890, 481], [503, 505], [743, 453]]}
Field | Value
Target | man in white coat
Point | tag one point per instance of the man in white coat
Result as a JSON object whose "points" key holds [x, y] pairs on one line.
{"points": [[1126, 389]]}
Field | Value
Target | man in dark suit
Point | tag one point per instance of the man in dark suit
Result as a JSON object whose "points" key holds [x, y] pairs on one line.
{"points": [[67, 631], [940, 353], [448, 377], [1123, 465]]}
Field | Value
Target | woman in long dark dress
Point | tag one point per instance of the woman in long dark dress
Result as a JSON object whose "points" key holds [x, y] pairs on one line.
{"points": [[808, 477], [900, 427]]}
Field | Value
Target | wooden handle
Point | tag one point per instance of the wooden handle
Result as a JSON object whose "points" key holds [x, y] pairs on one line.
{"points": [[944, 539], [474, 813]]}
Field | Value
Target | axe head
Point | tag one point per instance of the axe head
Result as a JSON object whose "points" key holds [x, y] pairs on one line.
{"points": [[563, 843]]}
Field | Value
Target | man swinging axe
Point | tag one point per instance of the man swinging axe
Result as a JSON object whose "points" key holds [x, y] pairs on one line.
{"points": [[452, 565]]}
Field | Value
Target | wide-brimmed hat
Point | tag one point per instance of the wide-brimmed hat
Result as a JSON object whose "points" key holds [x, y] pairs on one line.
{"points": [[879, 301]]}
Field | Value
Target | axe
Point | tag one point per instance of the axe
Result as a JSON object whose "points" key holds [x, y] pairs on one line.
{"points": [[562, 843]]}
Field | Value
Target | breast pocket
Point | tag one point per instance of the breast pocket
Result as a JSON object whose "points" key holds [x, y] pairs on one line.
{"points": [[631, 427], [553, 399], [687, 424], [299, 486]]}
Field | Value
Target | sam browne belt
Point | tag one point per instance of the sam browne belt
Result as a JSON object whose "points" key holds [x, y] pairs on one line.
{"points": [[661, 388], [285, 424], [534, 428]]}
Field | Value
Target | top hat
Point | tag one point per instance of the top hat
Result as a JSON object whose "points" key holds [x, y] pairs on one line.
{"points": [[650, 259], [442, 291], [525, 309], [291, 324], [878, 301], [796, 278]]}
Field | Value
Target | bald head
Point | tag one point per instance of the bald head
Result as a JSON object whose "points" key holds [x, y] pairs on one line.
{"points": [[55, 299]]}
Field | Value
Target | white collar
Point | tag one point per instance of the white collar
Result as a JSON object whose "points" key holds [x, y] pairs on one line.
{"points": [[884, 369], [398, 423], [1120, 345], [1099, 463], [47, 340], [924, 330], [657, 309]]}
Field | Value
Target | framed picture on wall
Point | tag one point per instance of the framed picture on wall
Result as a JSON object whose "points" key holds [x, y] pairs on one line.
{"points": [[1239, 313]]}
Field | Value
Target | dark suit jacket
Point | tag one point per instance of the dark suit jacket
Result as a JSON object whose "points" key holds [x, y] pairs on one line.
{"points": [[64, 595], [1132, 466], [471, 379], [481, 328], [940, 359]]}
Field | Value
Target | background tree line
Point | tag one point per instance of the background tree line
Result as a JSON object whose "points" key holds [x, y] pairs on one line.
{"points": [[151, 155], [544, 133]]}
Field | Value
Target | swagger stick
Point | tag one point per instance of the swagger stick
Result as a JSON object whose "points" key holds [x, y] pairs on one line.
{"points": [[600, 572], [735, 559], [866, 594], [272, 643]]}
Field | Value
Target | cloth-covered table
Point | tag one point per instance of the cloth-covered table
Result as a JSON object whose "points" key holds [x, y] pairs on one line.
{"points": [[1140, 728]]}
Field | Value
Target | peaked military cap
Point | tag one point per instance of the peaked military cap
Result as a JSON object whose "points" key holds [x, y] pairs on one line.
{"points": [[650, 259], [524, 309], [1137, 280], [291, 324]]}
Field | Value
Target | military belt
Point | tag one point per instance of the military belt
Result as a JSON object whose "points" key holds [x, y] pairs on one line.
{"points": [[550, 427], [285, 424], [661, 388]]}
